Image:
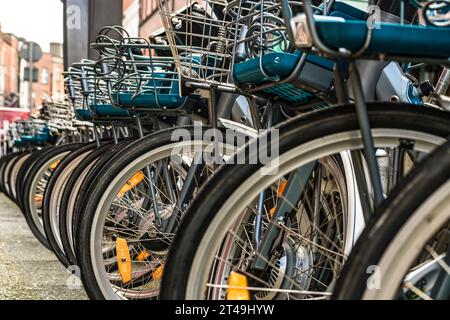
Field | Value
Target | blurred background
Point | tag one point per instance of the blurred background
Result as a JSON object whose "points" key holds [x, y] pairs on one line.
{"points": [[40, 38]]}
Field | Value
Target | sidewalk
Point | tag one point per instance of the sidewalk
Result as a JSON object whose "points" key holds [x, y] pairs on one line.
{"points": [[28, 271]]}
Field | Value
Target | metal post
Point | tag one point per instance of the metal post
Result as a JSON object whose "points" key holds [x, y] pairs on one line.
{"points": [[30, 75]]}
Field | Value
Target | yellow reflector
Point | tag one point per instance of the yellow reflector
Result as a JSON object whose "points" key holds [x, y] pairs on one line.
{"points": [[235, 283], [143, 256], [158, 273], [38, 198], [54, 165], [133, 182], [124, 260]]}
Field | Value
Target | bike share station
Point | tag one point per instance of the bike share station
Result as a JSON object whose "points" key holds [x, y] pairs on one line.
{"points": [[334, 185]]}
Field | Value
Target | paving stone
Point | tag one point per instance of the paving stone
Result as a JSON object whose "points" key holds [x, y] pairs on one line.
{"points": [[28, 271]]}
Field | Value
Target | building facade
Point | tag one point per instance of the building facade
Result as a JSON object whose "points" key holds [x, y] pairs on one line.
{"points": [[50, 81], [9, 70], [50, 84], [150, 20], [131, 17]]}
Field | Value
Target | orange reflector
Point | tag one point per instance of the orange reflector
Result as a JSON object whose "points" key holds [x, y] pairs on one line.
{"points": [[280, 193], [133, 182], [143, 256], [158, 273], [236, 282], [54, 165], [272, 212], [38, 198], [124, 260], [281, 189]]}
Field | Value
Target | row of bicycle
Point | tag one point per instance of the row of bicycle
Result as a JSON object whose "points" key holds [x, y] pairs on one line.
{"points": [[237, 156]]}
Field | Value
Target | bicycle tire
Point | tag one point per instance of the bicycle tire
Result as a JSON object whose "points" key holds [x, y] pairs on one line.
{"points": [[302, 130], [49, 194], [383, 228], [42, 160]]}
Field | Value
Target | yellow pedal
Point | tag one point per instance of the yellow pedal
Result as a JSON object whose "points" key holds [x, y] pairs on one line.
{"points": [[124, 260], [144, 255], [235, 283], [158, 273], [54, 165], [133, 182]]}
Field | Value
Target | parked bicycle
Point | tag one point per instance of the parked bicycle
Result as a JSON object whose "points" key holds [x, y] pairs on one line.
{"points": [[142, 195]]}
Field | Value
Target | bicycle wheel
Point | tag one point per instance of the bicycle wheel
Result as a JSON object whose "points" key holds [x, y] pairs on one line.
{"points": [[4, 161], [13, 174], [216, 252], [127, 226], [407, 245], [83, 176], [23, 174], [52, 197], [34, 187], [6, 174]]}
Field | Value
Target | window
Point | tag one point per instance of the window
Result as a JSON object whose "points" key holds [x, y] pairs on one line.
{"points": [[44, 76]]}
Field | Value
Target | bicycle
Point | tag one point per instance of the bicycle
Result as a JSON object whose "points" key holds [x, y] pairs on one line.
{"points": [[249, 235]]}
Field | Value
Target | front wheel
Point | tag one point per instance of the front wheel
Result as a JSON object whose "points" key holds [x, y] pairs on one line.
{"points": [[405, 251], [301, 210], [133, 211]]}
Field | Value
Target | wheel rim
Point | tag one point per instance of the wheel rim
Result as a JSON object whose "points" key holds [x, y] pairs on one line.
{"points": [[318, 149], [97, 243], [56, 196], [37, 190], [409, 243]]}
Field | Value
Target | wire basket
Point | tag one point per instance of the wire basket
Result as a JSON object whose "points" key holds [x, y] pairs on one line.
{"points": [[87, 92], [199, 39], [32, 131], [137, 77], [59, 115]]}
